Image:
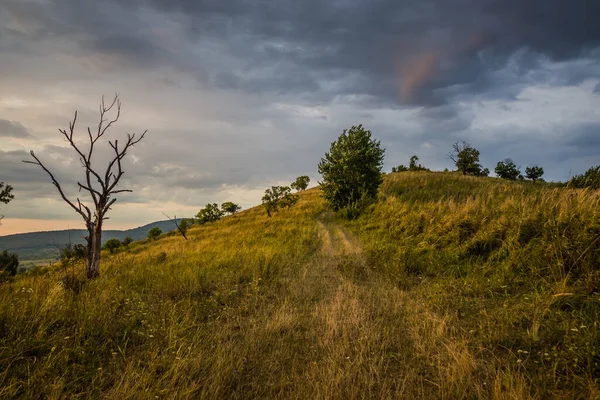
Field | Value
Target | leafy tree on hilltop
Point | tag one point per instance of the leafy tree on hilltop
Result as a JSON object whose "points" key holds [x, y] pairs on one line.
{"points": [[466, 159], [301, 183], [230, 207], [351, 169], [507, 169], [414, 166], [534, 172], [278, 197], [154, 233], [210, 213], [591, 179], [8, 263], [5, 195]]}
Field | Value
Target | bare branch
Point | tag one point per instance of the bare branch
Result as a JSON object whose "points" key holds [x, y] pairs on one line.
{"points": [[101, 195], [177, 225], [55, 182]]}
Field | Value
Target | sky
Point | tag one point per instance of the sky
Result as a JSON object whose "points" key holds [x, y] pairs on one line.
{"points": [[241, 95]]}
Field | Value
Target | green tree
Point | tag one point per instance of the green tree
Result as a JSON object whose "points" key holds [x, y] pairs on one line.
{"points": [[154, 233], [184, 225], [5, 195], [9, 263], [507, 169], [590, 179], [400, 168], [230, 207], [351, 169], [534, 172], [301, 183], [466, 159], [127, 241], [210, 213], [112, 245], [414, 166], [278, 197]]}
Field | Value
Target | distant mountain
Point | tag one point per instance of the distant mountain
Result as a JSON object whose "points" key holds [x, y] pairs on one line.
{"points": [[44, 245]]}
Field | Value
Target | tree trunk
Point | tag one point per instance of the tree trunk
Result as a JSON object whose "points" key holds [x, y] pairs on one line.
{"points": [[94, 246]]}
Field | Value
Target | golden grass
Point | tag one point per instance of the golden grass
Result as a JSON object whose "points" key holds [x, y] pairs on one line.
{"points": [[449, 287]]}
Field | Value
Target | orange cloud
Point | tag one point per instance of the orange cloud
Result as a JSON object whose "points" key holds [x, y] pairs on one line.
{"points": [[416, 71], [414, 74]]}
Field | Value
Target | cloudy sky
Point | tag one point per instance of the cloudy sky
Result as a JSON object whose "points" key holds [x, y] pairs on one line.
{"points": [[240, 95]]}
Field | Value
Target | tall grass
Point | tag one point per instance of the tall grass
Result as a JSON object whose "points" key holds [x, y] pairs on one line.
{"points": [[512, 267], [448, 287]]}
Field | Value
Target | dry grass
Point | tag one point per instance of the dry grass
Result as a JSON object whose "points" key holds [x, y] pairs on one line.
{"points": [[449, 287]]}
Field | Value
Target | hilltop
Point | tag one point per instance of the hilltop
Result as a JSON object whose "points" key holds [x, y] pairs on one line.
{"points": [[448, 286]]}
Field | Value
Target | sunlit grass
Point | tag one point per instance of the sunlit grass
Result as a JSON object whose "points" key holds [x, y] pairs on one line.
{"points": [[448, 287]]}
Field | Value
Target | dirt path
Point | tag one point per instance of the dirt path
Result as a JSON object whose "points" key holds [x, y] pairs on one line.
{"points": [[336, 240]]}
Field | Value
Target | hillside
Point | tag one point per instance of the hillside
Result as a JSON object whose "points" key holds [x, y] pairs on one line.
{"points": [[45, 245], [448, 287]]}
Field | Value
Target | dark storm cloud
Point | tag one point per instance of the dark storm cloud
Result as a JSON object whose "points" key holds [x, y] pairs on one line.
{"points": [[246, 93], [95, 28], [407, 52], [415, 47], [12, 129]]}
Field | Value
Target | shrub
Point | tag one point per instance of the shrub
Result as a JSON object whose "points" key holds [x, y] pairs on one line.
{"points": [[352, 168], [210, 213], [278, 197], [127, 241], [534, 172], [230, 208], [590, 179], [466, 159], [112, 245], [399, 168], [301, 183], [154, 233], [507, 170], [9, 263]]}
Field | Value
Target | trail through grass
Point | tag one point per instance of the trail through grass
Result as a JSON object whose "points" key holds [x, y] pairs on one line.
{"points": [[447, 288]]}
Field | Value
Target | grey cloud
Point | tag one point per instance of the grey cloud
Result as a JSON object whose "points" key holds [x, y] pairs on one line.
{"points": [[430, 44], [410, 52], [295, 73], [12, 129]]}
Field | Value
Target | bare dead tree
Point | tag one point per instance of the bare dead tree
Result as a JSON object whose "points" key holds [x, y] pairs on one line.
{"points": [[100, 186], [174, 220]]}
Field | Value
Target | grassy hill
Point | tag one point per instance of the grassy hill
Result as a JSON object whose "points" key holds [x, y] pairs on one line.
{"points": [[45, 245], [448, 287]]}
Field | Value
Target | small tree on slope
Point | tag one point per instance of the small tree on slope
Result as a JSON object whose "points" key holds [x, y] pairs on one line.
{"points": [[534, 172], [301, 183], [351, 169], [466, 159], [507, 169]]}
